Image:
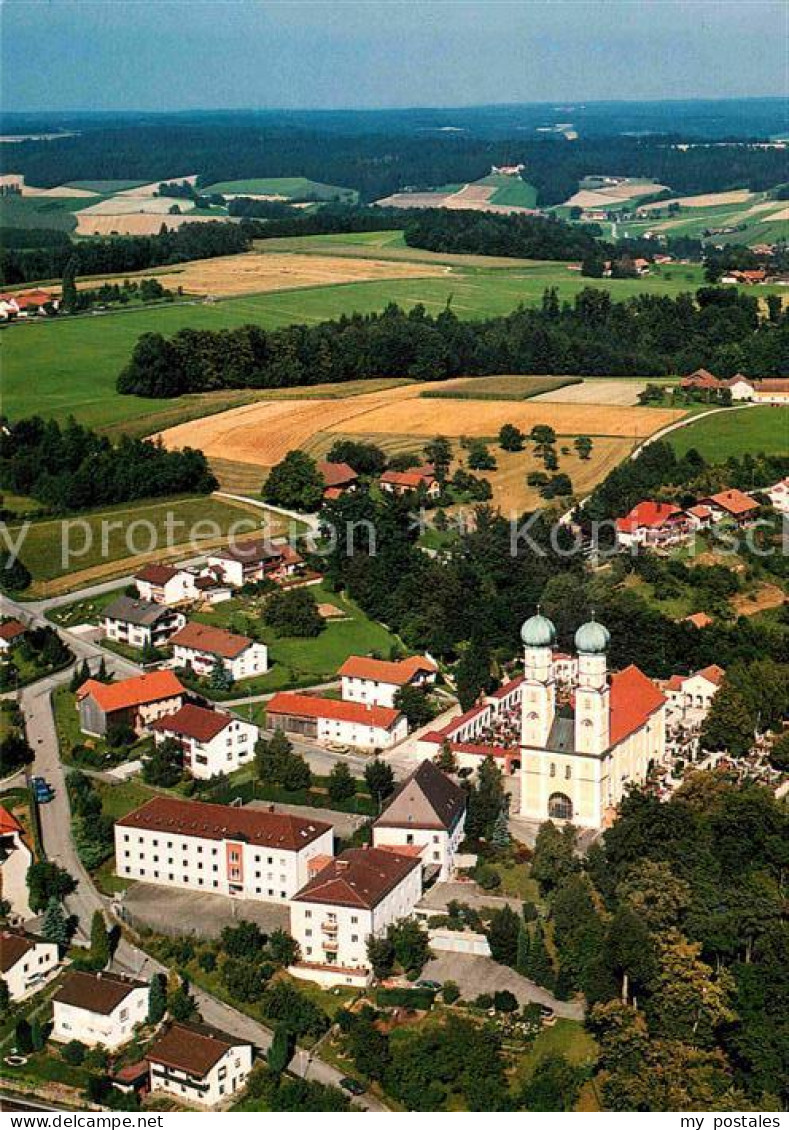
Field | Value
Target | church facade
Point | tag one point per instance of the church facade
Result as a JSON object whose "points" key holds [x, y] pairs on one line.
{"points": [[580, 754]]}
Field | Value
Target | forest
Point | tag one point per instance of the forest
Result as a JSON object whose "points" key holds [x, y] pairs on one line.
{"points": [[646, 336], [72, 468], [516, 236]]}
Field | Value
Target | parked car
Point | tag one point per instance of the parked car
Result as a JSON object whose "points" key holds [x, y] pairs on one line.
{"points": [[42, 790], [434, 985], [352, 1086]]}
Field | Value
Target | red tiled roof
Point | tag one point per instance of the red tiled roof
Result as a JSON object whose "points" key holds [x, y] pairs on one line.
{"points": [[734, 502], [13, 946], [204, 821], [250, 552], [313, 706], [9, 823], [700, 511], [702, 378], [360, 877], [413, 850], [775, 384], [382, 671], [411, 479], [138, 691], [649, 515], [12, 630], [193, 722], [504, 690], [634, 697], [337, 474], [713, 674], [675, 682], [193, 1048], [156, 574], [215, 641], [332, 492], [699, 620]]}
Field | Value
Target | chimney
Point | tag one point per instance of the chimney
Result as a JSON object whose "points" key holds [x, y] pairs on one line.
{"points": [[342, 864], [272, 808]]}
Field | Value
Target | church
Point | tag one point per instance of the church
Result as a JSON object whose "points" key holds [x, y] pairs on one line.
{"points": [[580, 752]]}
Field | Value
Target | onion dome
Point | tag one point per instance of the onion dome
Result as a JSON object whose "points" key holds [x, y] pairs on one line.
{"points": [[592, 638], [538, 631]]}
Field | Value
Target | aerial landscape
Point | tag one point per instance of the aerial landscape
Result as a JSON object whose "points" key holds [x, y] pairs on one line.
{"points": [[394, 591]]}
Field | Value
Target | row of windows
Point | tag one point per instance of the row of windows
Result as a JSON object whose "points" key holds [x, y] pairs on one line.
{"points": [[270, 892], [281, 860]]}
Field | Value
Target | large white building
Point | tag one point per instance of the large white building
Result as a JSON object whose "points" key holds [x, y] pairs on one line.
{"points": [[212, 741], [255, 560], [15, 858], [428, 811], [331, 720], [199, 1064], [166, 584], [26, 962], [245, 853], [200, 646], [354, 897], [690, 696], [577, 760], [377, 681], [99, 1008], [141, 623]]}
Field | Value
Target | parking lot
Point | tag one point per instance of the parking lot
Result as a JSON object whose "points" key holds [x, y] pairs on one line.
{"points": [[474, 975], [170, 910]]}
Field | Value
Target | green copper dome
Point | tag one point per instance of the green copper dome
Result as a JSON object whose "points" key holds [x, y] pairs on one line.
{"points": [[538, 631], [592, 638]]}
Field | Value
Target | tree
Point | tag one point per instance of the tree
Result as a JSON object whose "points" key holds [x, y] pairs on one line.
{"points": [[68, 293], [283, 948], [45, 881], [415, 704], [295, 483], [480, 457], [180, 1003], [411, 944], [14, 577], [554, 855], [220, 678], [543, 437], [500, 834], [381, 955], [689, 1002], [5, 998], [293, 612], [472, 674], [73, 1052], [511, 438], [554, 1085], [539, 967], [280, 1050], [163, 766], [438, 453], [342, 785], [379, 779], [655, 894], [22, 1037], [504, 929], [485, 801], [157, 999], [277, 763], [583, 445], [522, 955], [55, 927], [245, 940], [779, 753], [37, 1036], [729, 725], [445, 758], [99, 940], [365, 458]]}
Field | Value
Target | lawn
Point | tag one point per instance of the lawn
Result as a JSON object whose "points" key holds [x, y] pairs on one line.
{"points": [[512, 191], [739, 432], [83, 611], [294, 188], [500, 388], [567, 1038]]}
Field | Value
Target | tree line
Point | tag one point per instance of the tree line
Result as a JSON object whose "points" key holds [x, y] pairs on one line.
{"points": [[71, 468], [647, 335], [515, 236]]}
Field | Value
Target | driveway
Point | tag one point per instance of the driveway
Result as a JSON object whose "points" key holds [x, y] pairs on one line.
{"points": [[170, 910], [474, 975], [438, 898]]}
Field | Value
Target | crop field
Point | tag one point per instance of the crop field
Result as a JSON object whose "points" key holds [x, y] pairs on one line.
{"points": [[136, 223], [511, 191], [758, 218], [619, 391], [738, 432], [289, 188], [73, 552], [498, 388], [56, 213]]}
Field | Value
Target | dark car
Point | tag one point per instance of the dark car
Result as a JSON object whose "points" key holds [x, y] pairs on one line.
{"points": [[352, 1086], [434, 985]]}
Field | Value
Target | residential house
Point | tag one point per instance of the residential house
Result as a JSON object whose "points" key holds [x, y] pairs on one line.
{"points": [[338, 479], [689, 697], [329, 720], [99, 1008], [166, 584], [406, 482], [377, 681], [199, 1064], [11, 632], [700, 517], [244, 853], [735, 505], [772, 391], [34, 302], [428, 810], [212, 741], [779, 496], [135, 702], [141, 623], [256, 560], [26, 962], [15, 859], [9, 308], [652, 524], [201, 646], [355, 897]]}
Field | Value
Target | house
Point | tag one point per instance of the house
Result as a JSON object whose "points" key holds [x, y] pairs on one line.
{"points": [[199, 1064], [699, 620], [166, 584], [15, 858], [338, 479], [212, 741], [135, 702], [778, 495], [428, 810], [34, 302], [99, 1008], [734, 504], [256, 560], [652, 524], [329, 720], [11, 632], [579, 758], [700, 517], [406, 482], [377, 681], [9, 307], [772, 391], [689, 697], [141, 623], [355, 897], [701, 379], [26, 962], [244, 853], [201, 647], [740, 387]]}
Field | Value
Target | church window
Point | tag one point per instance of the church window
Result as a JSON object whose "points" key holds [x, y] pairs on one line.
{"points": [[553, 769], [560, 807], [568, 772]]}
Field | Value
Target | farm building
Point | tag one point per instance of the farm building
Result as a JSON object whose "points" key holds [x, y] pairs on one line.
{"points": [[406, 482], [133, 702], [327, 719]]}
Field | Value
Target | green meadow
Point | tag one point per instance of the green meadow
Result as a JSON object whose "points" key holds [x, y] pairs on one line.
{"points": [[738, 432]]}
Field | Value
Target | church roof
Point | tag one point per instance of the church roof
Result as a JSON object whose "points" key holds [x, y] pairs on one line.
{"points": [[634, 698]]}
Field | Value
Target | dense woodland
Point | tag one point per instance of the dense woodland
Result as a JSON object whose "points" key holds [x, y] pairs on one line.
{"points": [[517, 236], [73, 468], [646, 336]]}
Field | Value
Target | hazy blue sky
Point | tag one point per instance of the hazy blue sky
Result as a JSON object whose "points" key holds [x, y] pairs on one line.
{"points": [[180, 54]]}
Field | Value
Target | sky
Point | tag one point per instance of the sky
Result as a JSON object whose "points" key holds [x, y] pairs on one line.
{"points": [[332, 54]]}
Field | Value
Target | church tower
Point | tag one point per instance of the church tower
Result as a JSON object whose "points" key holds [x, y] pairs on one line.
{"points": [[592, 695], [539, 689]]}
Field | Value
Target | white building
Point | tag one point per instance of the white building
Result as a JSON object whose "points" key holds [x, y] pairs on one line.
{"points": [[199, 646], [26, 962], [330, 720], [15, 858], [354, 897], [199, 1064], [577, 760], [377, 681], [141, 623], [255, 560], [690, 696], [11, 632], [99, 1008], [212, 741], [779, 496], [166, 584], [427, 811], [244, 853]]}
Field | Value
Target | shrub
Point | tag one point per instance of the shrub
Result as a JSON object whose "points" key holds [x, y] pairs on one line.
{"points": [[74, 1052]]}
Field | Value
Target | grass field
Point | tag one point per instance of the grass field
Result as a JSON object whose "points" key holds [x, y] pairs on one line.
{"points": [[105, 187], [498, 388], [55, 212], [715, 210], [294, 188], [511, 191], [737, 432]]}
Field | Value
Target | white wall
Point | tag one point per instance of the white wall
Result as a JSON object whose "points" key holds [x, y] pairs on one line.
{"points": [[13, 878], [91, 1028], [232, 748], [225, 1078], [355, 689], [362, 736], [440, 847], [252, 661], [32, 970]]}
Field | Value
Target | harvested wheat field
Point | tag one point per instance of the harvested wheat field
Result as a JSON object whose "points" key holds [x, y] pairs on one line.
{"points": [[138, 223], [705, 200], [618, 392], [508, 481], [231, 275]]}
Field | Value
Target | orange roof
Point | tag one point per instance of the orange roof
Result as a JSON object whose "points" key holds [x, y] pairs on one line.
{"points": [[337, 474], [634, 697], [651, 515], [412, 850], [734, 502], [713, 674], [699, 620], [332, 492], [383, 671], [12, 630], [143, 689], [8, 823], [216, 641], [411, 479], [313, 706], [776, 384], [700, 511]]}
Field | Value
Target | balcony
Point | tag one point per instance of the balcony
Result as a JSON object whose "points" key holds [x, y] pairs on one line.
{"points": [[331, 946], [329, 927]]}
